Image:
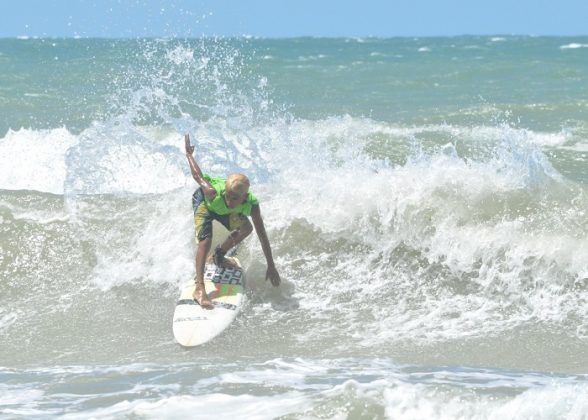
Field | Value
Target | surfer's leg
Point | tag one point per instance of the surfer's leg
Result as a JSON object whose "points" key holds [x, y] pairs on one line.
{"points": [[203, 230], [200, 295]]}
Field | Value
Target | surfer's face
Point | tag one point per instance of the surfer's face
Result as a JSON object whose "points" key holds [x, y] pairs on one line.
{"points": [[233, 199]]}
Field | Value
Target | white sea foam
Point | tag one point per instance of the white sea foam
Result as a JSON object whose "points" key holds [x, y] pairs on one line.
{"points": [[573, 46], [415, 402], [37, 95], [41, 216], [217, 405], [308, 388], [120, 159], [312, 57], [143, 160], [35, 159], [17, 400], [578, 147], [162, 251], [181, 55], [7, 319]]}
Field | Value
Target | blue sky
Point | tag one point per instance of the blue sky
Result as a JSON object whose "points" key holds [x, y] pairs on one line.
{"points": [[288, 18]]}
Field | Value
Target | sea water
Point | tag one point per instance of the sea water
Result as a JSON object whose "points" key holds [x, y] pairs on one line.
{"points": [[426, 200]]}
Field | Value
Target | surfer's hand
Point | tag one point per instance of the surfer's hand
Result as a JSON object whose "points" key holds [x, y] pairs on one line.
{"points": [[189, 147], [273, 275]]}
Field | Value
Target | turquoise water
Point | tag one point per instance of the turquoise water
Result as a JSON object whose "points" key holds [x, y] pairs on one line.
{"points": [[425, 200], [539, 80]]}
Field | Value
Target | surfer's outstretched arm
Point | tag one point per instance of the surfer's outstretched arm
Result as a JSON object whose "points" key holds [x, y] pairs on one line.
{"points": [[207, 189], [272, 273]]}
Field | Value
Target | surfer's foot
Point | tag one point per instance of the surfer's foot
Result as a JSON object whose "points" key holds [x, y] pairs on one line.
{"points": [[219, 257], [224, 262], [201, 297]]}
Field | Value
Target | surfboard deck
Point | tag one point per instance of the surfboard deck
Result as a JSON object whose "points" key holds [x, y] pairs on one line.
{"points": [[194, 325]]}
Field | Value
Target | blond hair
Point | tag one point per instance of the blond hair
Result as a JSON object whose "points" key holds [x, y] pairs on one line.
{"points": [[237, 183]]}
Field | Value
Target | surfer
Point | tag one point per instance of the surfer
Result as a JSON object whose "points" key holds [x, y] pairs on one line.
{"points": [[228, 201]]}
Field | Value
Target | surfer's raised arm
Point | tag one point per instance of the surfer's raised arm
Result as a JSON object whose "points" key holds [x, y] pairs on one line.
{"points": [[272, 273], [209, 192]]}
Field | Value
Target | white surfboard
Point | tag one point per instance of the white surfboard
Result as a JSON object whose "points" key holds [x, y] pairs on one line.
{"points": [[194, 325]]}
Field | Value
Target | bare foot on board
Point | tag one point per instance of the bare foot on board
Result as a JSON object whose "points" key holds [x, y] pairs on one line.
{"points": [[201, 297]]}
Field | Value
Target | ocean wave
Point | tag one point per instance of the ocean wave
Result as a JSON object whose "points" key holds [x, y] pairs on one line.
{"points": [[299, 387]]}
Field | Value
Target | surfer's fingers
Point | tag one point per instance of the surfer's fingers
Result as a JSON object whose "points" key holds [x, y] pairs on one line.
{"points": [[189, 147], [274, 278]]}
